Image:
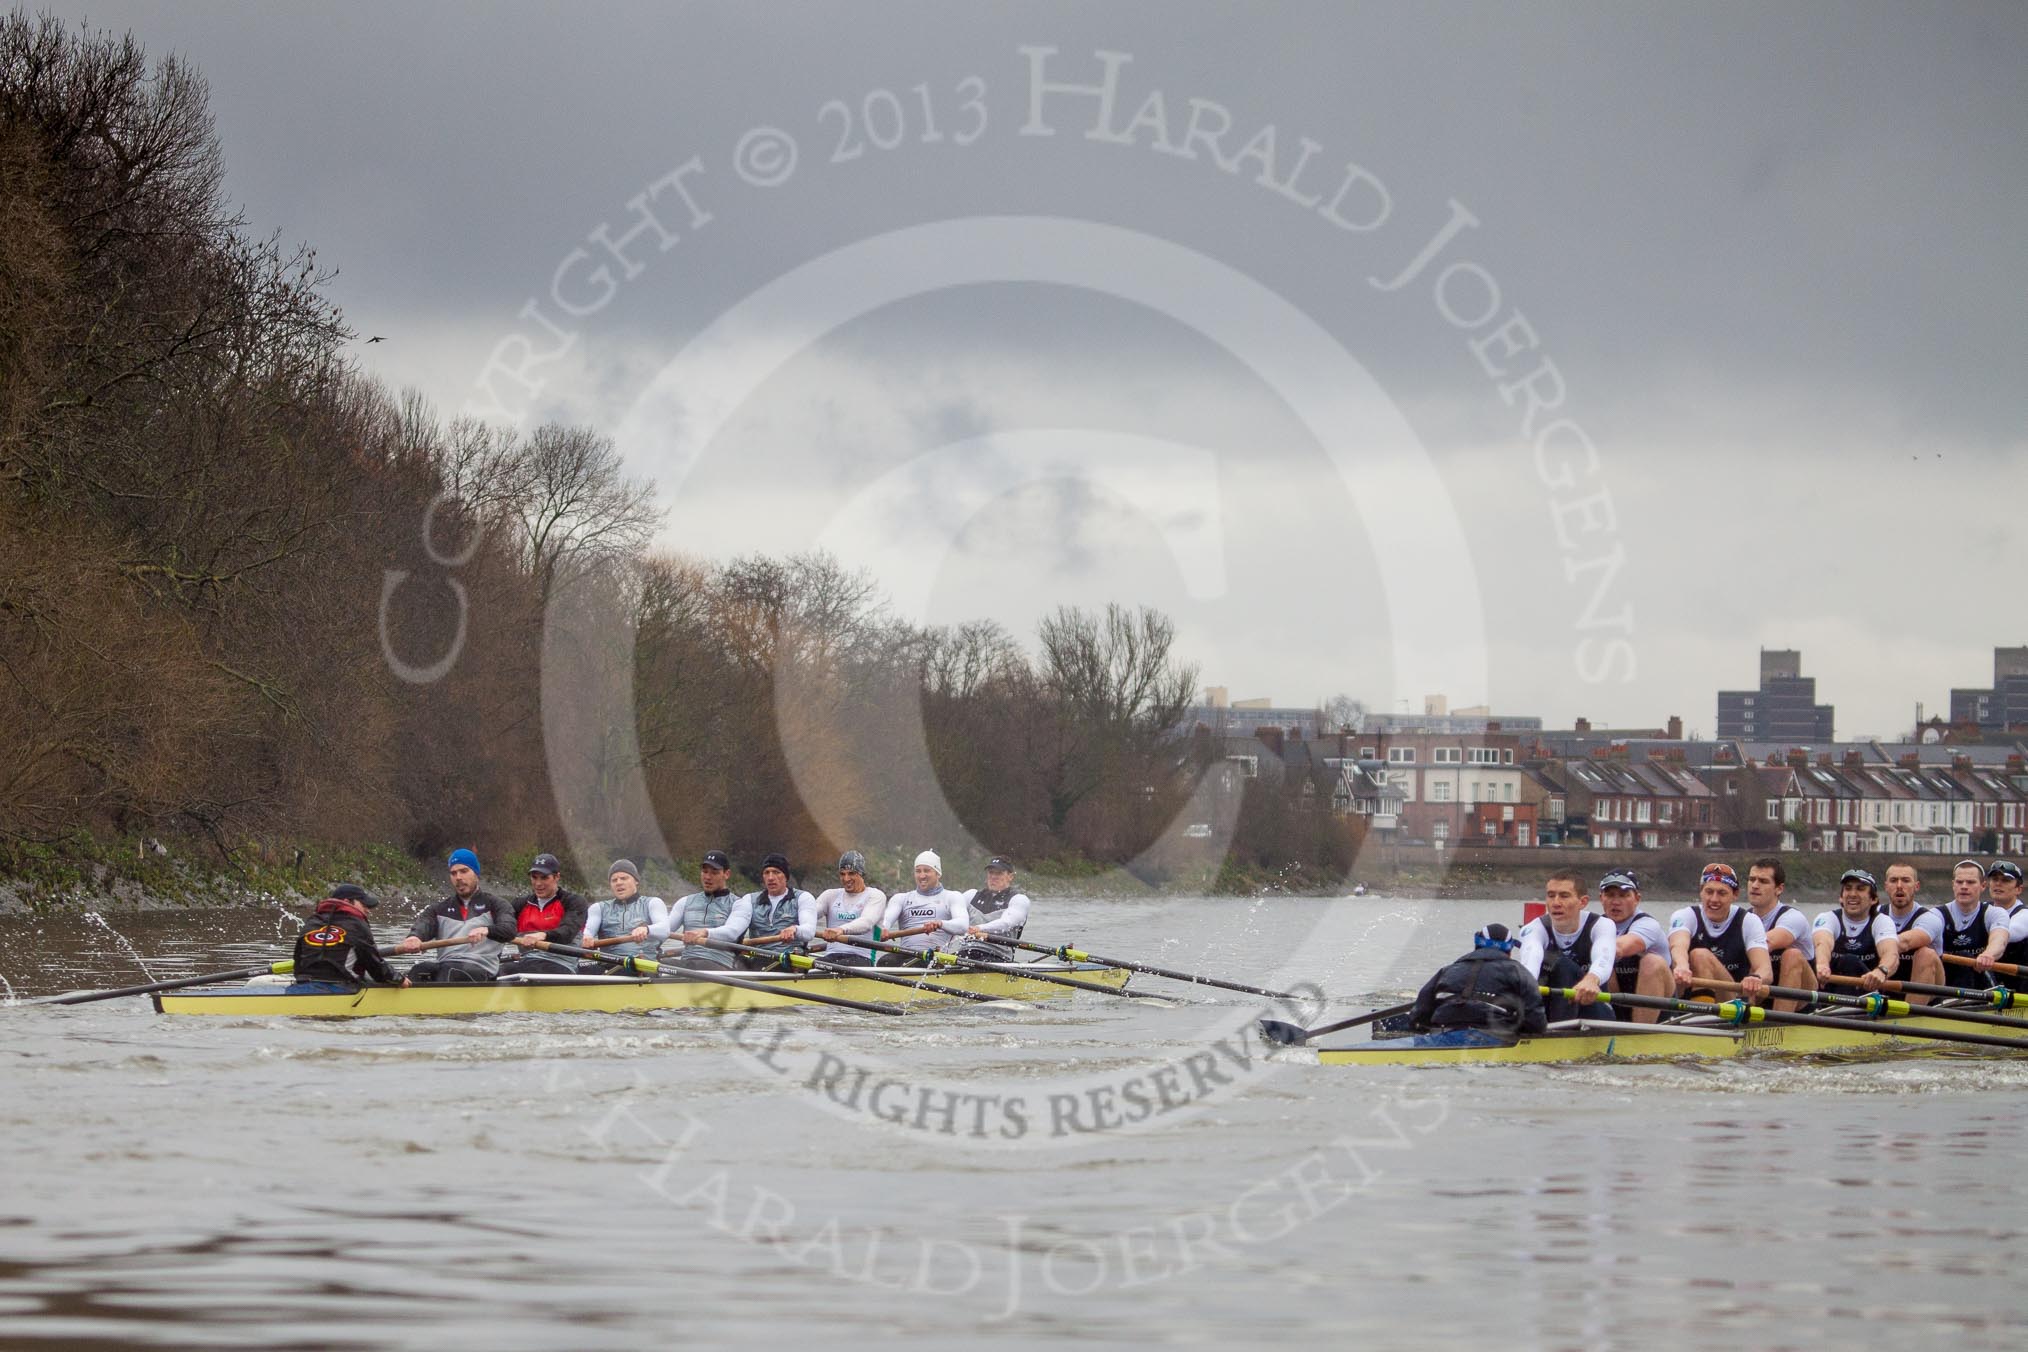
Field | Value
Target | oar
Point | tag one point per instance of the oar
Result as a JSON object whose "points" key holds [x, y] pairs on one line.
{"points": [[650, 967], [1069, 954], [1289, 1035], [425, 946], [1960, 960], [282, 968], [1020, 969], [1999, 997], [1879, 1006], [805, 963], [1737, 1012]]}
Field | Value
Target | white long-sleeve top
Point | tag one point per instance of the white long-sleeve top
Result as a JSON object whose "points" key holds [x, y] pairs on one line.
{"points": [[849, 913], [1538, 934], [905, 910]]}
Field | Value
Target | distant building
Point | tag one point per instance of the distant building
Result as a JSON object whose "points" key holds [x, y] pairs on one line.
{"points": [[1784, 708], [1244, 718], [1455, 789], [2005, 705], [1449, 724]]}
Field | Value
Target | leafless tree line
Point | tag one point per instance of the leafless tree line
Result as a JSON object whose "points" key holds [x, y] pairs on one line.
{"points": [[221, 547]]}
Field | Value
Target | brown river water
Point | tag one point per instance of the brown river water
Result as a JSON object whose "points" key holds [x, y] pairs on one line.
{"points": [[1091, 1170]]}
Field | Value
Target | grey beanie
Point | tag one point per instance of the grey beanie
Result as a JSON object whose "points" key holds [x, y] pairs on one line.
{"points": [[625, 866]]}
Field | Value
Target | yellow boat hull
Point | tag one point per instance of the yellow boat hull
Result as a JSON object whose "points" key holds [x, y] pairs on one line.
{"points": [[1605, 1040], [615, 995]]}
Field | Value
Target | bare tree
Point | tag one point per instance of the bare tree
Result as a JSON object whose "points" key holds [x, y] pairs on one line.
{"points": [[573, 505], [1342, 713]]}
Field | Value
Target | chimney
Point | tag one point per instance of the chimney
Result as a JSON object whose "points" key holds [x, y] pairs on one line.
{"points": [[1675, 728], [1583, 725], [1854, 759], [2015, 765], [1961, 763], [1798, 758], [1492, 725], [1824, 759], [1911, 761], [1271, 738]]}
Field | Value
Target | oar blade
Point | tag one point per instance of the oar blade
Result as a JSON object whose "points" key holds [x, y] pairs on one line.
{"points": [[1283, 1034]]}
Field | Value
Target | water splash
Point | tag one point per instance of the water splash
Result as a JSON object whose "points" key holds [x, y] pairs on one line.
{"points": [[12, 998], [121, 940]]}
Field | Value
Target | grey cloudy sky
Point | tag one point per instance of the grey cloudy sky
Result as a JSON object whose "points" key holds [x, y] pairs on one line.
{"points": [[1775, 255]]}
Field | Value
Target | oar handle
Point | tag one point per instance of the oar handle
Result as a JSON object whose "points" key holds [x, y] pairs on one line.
{"points": [[1960, 960], [398, 951]]}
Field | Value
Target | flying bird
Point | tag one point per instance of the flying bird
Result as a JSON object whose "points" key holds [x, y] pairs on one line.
{"points": [[376, 338]]}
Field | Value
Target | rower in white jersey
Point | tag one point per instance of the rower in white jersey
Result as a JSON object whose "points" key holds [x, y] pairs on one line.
{"points": [[1568, 946], [1973, 928], [993, 913], [849, 910], [1855, 939], [1641, 951], [1718, 939], [929, 918], [1918, 929], [1791, 949], [2003, 880]]}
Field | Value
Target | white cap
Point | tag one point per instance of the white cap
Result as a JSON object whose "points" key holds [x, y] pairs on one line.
{"points": [[930, 857]]}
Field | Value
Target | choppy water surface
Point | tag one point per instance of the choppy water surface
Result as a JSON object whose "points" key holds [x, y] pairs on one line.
{"points": [[1091, 1170]]}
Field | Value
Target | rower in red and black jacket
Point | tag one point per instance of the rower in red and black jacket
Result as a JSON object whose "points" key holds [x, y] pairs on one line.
{"points": [[336, 949], [469, 913], [547, 914]]}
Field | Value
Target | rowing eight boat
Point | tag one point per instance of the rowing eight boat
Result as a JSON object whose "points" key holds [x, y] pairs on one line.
{"points": [[564, 994], [1610, 1040]]}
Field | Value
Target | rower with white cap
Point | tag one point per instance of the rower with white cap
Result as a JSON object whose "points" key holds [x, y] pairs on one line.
{"points": [[923, 921]]}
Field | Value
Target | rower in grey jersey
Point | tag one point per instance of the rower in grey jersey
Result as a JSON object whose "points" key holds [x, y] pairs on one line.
{"points": [[995, 913], [716, 912], [626, 925], [784, 916]]}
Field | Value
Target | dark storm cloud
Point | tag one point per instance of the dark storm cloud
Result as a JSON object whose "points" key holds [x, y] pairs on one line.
{"points": [[1773, 251]]}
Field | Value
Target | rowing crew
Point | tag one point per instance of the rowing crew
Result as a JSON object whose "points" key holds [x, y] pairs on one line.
{"points": [[483, 938], [1763, 943]]}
